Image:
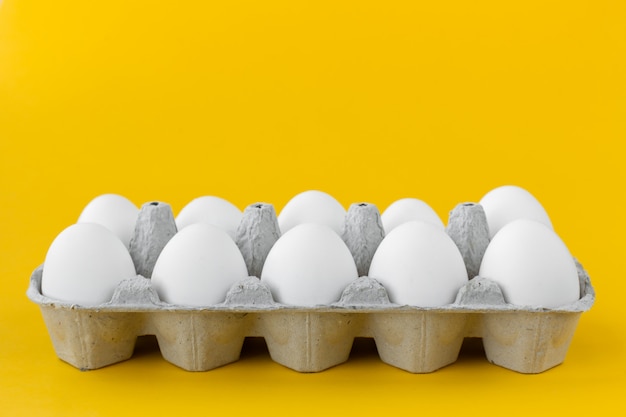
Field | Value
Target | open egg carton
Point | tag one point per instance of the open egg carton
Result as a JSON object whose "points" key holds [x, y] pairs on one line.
{"points": [[310, 339]]}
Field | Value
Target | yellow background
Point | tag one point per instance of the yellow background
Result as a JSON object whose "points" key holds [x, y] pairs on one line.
{"points": [[259, 100]]}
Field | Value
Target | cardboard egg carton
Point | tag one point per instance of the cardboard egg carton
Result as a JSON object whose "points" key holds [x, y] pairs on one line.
{"points": [[312, 339]]}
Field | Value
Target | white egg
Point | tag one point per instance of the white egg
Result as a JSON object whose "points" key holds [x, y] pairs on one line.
{"points": [[532, 265], [198, 266], [312, 207], [409, 209], [210, 210], [309, 265], [507, 203], [419, 265], [114, 212], [84, 264]]}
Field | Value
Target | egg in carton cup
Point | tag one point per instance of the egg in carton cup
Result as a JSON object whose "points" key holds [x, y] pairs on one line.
{"points": [[312, 337]]}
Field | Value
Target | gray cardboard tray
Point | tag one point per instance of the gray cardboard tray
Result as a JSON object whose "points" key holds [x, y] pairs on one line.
{"points": [[312, 339]]}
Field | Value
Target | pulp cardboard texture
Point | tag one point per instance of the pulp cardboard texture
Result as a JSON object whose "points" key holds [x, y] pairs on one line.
{"points": [[416, 339]]}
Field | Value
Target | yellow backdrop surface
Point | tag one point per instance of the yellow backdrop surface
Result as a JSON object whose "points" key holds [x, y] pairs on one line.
{"points": [[259, 100]]}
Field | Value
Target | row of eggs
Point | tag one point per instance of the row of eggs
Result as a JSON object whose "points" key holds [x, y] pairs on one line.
{"points": [[501, 206], [417, 262]]}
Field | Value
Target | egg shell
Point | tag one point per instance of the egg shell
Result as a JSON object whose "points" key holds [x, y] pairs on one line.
{"points": [[114, 212], [408, 209], [504, 204], [198, 266], [312, 207], [210, 210], [84, 264], [419, 265], [532, 266], [309, 265]]}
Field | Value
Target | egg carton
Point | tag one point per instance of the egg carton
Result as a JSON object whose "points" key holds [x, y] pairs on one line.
{"points": [[311, 339]]}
